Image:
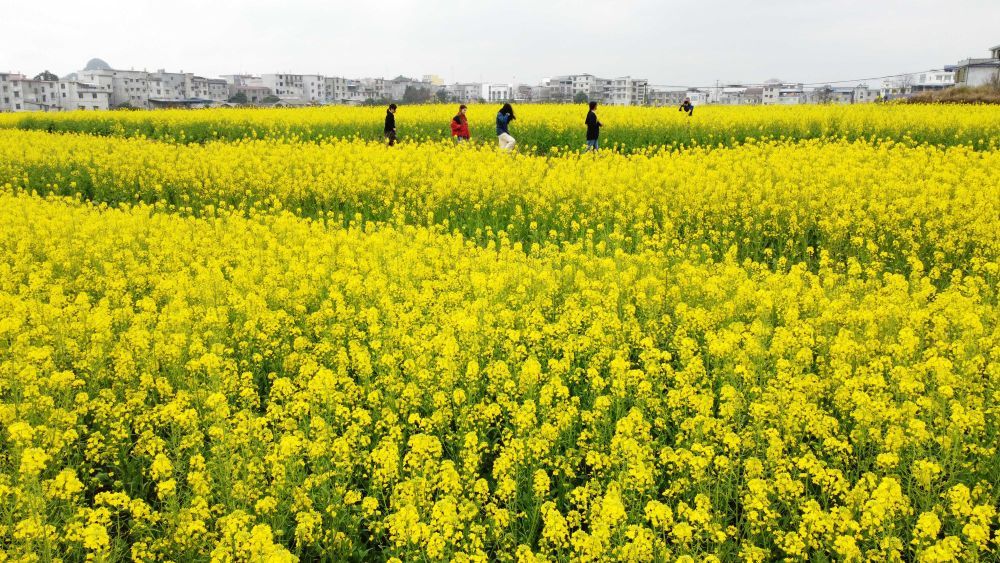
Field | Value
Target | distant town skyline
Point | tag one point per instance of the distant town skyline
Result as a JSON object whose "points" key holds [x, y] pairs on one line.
{"points": [[517, 42]]}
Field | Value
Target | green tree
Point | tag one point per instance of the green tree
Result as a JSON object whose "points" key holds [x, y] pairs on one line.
{"points": [[580, 98], [442, 96], [415, 95], [270, 99], [239, 98]]}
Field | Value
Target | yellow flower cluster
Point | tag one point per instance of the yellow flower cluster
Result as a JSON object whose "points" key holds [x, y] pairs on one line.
{"points": [[255, 384], [876, 208], [547, 126]]}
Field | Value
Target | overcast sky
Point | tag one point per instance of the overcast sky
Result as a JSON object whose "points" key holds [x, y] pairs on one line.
{"points": [[669, 42]]}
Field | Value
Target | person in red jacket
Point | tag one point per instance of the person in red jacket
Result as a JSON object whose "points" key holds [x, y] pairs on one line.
{"points": [[460, 126]]}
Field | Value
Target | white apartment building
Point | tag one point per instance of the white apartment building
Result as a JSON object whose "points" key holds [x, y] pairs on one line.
{"points": [[497, 92], [285, 86], [10, 92], [371, 89], [215, 89], [568, 87], [335, 90], [977, 72], [18, 93], [627, 91], [464, 92], [76, 95], [776, 92], [169, 85], [313, 88], [908, 84]]}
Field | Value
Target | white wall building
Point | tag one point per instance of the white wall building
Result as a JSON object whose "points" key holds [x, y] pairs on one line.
{"points": [[76, 95], [497, 92], [10, 92], [627, 91], [909, 84], [285, 86], [977, 72], [776, 92], [18, 93], [335, 90], [464, 92]]}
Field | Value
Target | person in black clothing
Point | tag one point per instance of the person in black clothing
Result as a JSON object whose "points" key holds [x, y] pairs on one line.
{"points": [[687, 106], [593, 127], [390, 125]]}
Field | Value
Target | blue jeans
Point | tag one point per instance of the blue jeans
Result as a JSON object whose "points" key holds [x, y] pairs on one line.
{"points": [[592, 144]]}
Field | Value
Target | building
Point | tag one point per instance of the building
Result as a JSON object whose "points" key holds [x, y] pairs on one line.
{"points": [[214, 89], [10, 92], [370, 89], [497, 92], [977, 72], [335, 90], [75, 95], [906, 85], [626, 91], [285, 86], [753, 96], [19, 93], [433, 79], [673, 97], [776, 92], [464, 92]]}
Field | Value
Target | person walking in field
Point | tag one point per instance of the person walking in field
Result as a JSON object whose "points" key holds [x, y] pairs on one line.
{"points": [[687, 106], [504, 117], [460, 125], [390, 125], [593, 127]]}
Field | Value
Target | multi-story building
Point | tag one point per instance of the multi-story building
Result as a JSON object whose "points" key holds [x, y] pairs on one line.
{"points": [[497, 92], [977, 72], [250, 86], [372, 89], [465, 92], [169, 86], [75, 95], [10, 92], [214, 89], [775, 92], [314, 88], [335, 90], [627, 91], [285, 86], [18, 93], [908, 84], [665, 96]]}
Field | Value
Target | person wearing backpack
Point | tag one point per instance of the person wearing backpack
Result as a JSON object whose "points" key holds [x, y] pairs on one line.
{"points": [[460, 125], [504, 117]]}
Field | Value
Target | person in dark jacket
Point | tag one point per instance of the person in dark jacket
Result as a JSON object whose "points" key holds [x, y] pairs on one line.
{"points": [[687, 106], [390, 125], [460, 125], [504, 117], [593, 127]]}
